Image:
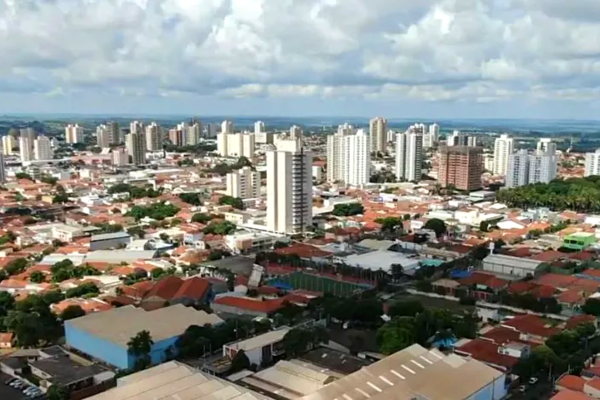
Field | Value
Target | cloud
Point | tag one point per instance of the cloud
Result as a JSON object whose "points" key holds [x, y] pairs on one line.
{"points": [[429, 50]]}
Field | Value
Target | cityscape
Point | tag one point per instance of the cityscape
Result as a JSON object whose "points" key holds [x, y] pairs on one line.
{"points": [[299, 200]]}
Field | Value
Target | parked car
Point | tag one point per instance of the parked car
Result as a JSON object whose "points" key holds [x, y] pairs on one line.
{"points": [[522, 388], [9, 381], [533, 380]]}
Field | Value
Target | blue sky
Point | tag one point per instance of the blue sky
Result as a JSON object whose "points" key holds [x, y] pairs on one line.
{"points": [[397, 58]]}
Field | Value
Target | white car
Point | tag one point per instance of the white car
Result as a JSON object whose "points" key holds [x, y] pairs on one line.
{"points": [[533, 381]]}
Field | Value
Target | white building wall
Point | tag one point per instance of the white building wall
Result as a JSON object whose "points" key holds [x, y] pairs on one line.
{"points": [[592, 163], [503, 148]]}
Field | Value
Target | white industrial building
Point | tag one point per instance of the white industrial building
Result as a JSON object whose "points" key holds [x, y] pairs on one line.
{"points": [[509, 266]]}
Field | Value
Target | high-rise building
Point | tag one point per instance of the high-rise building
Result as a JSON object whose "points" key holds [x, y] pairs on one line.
{"points": [[378, 131], [8, 144], [136, 147], [211, 130], [349, 157], [592, 163], [2, 168], [222, 145], [518, 169], [114, 132], [289, 187], [263, 138], [259, 127], [194, 133], [28, 133], [73, 134], [243, 183], [42, 149], [460, 139], [503, 148], [177, 136], [227, 127], [136, 127], [295, 132], [546, 145], [103, 136], [120, 157], [26, 148], [236, 144], [409, 155], [433, 136], [153, 137], [528, 169], [390, 136], [460, 166]]}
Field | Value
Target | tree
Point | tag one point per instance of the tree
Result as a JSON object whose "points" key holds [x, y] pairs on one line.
{"points": [[239, 362], [389, 224], [408, 308], [396, 335], [220, 228], [235, 202], [191, 198], [16, 266], [201, 218], [484, 226], [73, 311], [592, 307], [345, 210], [397, 271], [436, 225], [56, 392], [37, 277], [140, 346]]}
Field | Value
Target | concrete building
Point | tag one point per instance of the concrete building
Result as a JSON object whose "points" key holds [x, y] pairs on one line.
{"points": [[8, 144], [432, 137], [460, 166], [511, 266], [349, 157], [103, 136], [2, 169], [259, 349], [243, 183], [289, 187], [153, 137], [527, 169], [136, 147], [120, 157], [378, 132], [26, 148], [592, 163], [259, 127], [136, 127], [73, 134], [114, 132], [28, 133], [211, 130], [409, 156], [460, 139], [518, 169], [104, 335], [503, 148], [236, 144], [295, 132], [177, 136], [263, 138], [42, 149], [194, 133], [108, 241], [546, 145], [227, 126]]}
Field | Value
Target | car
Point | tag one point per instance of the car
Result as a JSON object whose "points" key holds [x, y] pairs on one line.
{"points": [[533, 380], [16, 384], [28, 389], [522, 388], [9, 381], [25, 388]]}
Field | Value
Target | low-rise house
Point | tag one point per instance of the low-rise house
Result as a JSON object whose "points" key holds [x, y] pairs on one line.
{"points": [[259, 349], [6, 340]]}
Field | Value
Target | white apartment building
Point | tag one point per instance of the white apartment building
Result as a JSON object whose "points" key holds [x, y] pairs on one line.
{"points": [[194, 133], [28, 133], [592, 163], [227, 126], [136, 127], [73, 134], [114, 132], [289, 187], [528, 169], [503, 148], [153, 137], [378, 131], [460, 139], [409, 156], [236, 144], [26, 148], [349, 155], [243, 183], [8, 143], [211, 130], [120, 157], [103, 136], [518, 169], [2, 169], [259, 127], [136, 147], [295, 132], [546, 145], [42, 149]]}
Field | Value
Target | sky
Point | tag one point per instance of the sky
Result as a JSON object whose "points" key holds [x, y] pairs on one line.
{"points": [[395, 58]]}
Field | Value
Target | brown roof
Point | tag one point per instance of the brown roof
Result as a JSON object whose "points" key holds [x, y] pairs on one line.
{"points": [[165, 288], [567, 394], [303, 251], [487, 352], [246, 303], [531, 324], [194, 288], [571, 382]]}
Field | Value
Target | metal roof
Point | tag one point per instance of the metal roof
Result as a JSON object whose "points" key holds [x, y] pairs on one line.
{"points": [[260, 340], [524, 263], [110, 236]]}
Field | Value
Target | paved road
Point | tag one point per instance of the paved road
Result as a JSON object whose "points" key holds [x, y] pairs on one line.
{"points": [[8, 393]]}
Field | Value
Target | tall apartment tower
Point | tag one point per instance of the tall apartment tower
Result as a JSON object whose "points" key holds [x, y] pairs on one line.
{"points": [[236, 144], [592, 163], [153, 137], [227, 126], [546, 145], [136, 147], [337, 163], [295, 132], [42, 149], [518, 169], [378, 131], [25, 148], [103, 136], [243, 183], [222, 138], [136, 127], [460, 139], [503, 148], [349, 155], [194, 133], [409, 156], [460, 166], [120, 157], [259, 127], [528, 169], [431, 136], [211, 130], [73, 134], [2, 168], [8, 143], [289, 187], [114, 132], [28, 133]]}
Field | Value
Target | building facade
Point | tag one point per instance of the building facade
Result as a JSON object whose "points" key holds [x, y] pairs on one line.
{"points": [[460, 166], [518, 169], [42, 149], [136, 147], [73, 134], [8, 144], [153, 137], [592, 163], [103, 136], [503, 148], [243, 183], [26, 148], [378, 131], [527, 169], [349, 157], [409, 156]]}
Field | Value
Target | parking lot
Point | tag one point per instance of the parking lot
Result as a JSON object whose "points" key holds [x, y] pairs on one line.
{"points": [[9, 393]]}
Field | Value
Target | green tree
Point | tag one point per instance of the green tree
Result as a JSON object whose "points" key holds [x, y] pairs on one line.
{"points": [[71, 312], [239, 362], [56, 392], [201, 218], [484, 226], [140, 346], [37, 277], [592, 307], [396, 335], [235, 202], [409, 308], [436, 225], [345, 210]]}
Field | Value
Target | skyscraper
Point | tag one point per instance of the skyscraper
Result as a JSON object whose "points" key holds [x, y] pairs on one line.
{"points": [[518, 169], [460, 166], [2, 168], [8, 143], [295, 132], [546, 145], [26, 148], [153, 137], [236, 144], [460, 139], [289, 187], [243, 183], [73, 134], [177, 136], [194, 133], [528, 169], [409, 156], [136, 127], [114, 132], [28, 133], [42, 149], [222, 145], [503, 148], [227, 127], [120, 157], [378, 131], [592, 163], [136, 147], [103, 136], [211, 130], [349, 157], [259, 127]]}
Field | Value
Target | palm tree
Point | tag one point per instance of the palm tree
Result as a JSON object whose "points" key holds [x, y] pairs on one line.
{"points": [[140, 346]]}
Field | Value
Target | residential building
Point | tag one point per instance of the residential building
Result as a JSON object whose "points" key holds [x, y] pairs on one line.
{"points": [[432, 137], [409, 156], [42, 149], [378, 131], [136, 127], [177, 136], [194, 133], [108, 241], [243, 183], [528, 169], [222, 145], [236, 144], [289, 187], [26, 148], [259, 349], [227, 126], [592, 163], [295, 132], [546, 145], [153, 137], [8, 144], [103, 136], [503, 148], [114, 132], [104, 335], [28, 133], [511, 266], [136, 147], [2, 169], [349, 157], [263, 138], [460, 166], [460, 139], [518, 169], [73, 134], [259, 127], [120, 157]]}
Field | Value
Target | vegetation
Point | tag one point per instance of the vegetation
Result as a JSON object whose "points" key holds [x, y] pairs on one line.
{"points": [[135, 192], [63, 270], [140, 346], [16, 266], [224, 169], [109, 228], [239, 362], [83, 290], [579, 194], [157, 211], [234, 202], [220, 228], [201, 218], [301, 340], [196, 149], [390, 224], [37, 277], [56, 392], [71, 312], [191, 198], [437, 225], [345, 210], [8, 237], [50, 180], [23, 175], [137, 231], [60, 198]]}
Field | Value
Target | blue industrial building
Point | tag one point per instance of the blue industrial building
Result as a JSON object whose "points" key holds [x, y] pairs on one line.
{"points": [[104, 336]]}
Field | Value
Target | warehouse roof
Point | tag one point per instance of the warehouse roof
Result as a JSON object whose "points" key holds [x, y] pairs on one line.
{"points": [[175, 381], [119, 256], [517, 262], [410, 373], [260, 340], [381, 259], [110, 236], [121, 324]]}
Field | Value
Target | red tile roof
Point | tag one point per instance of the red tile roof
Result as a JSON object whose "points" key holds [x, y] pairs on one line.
{"points": [[548, 256], [556, 280], [247, 303], [521, 287], [194, 288], [573, 322], [165, 288], [571, 382], [531, 324], [502, 335], [303, 251], [487, 352], [594, 383], [543, 291], [571, 296], [567, 394], [6, 337]]}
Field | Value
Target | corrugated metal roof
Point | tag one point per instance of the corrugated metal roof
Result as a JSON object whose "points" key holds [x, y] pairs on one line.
{"points": [[110, 236]]}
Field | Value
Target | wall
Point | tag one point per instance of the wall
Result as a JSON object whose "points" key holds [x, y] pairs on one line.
{"points": [[109, 243], [96, 347], [219, 308], [493, 391]]}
